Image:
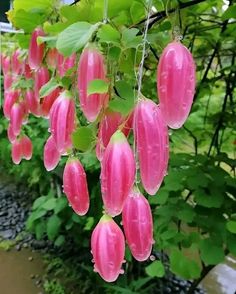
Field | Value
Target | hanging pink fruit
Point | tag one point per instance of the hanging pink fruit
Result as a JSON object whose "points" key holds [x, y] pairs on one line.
{"points": [[151, 135], [27, 72], [16, 64], [16, 118], [26, 147], [108, 249], [16, 151], [41, 78], [48, 101], [176, 84], [91, 66], [6, 64], [10, 97], [8, 80], [117, 173], [138, 225], [32, 102], [51, 58], [51, 155], [62, 120], [36, 51], [75, 186], [65, 63], [11, 136]]}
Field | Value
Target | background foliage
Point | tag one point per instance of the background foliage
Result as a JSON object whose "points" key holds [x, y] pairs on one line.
{"points": [[194, 211]]}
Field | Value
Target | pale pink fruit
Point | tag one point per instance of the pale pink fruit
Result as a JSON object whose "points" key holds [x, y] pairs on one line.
{"points": [[117, 173], [62, 120], [28, 73], [51, 155], [16, 152], [8, 80], [65, 63], [26, 147], [176, 84], [51, 58], [10, 97], [75, 186], [16, 118], [91, 66], [151, 135], [48, 101], [32, 102], [138, 225], [11, 136], [16, 64], [6, 64], [36, 51], [108, 249], [41, 78]]}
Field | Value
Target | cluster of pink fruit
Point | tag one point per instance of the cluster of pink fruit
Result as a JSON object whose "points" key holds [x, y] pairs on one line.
{"points": [[149, 121]]}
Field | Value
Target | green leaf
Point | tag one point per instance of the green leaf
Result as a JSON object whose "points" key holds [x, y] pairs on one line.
{"points": [[60, 240], [160, 198], [48, 88], [70, 12], [50, 40], [53, 227], [209, 199], [137, 11], [211, 253], [38, 202], [108, 34], [60, 205], [83, 138], [34, 216], [97, 86], [40, 229], [75, 37], [229, 13], [129, 38], [155, 269], [231, 226], [89, 223], [50, 204], [183, 266]]}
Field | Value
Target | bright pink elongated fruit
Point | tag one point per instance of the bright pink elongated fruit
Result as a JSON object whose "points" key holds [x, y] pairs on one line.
{"points": [[75, 186], [26, 147], [138, 225], [32, 102], [51, 58], [28, 73], [62, 120], [48, 101], [108, 249], [16, 118], [51, 156], [6, 64], [36, 51], [10, 97], [91, 67], [176, 84], [151, 135], [65, 63], [41, 78], [11, 136], [16, 64], [8, 80], [16, 152], [117, 173]]}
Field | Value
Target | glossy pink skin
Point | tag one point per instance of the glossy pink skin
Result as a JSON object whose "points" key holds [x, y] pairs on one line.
{"points": [[11, 136], [117, 173], [51, 155], [91, 66], [6, 64], [16, 152], [176, 83], [26, 147], [41, 78], [62, 120], [138, 225], [16, 118], [152, 141], [8, 80], [10, 98], [108, 249], [48, 101], [32, 102], [65, 63], [75, 186], [51, 58], [36, 51], [16, 64], [27, 72]]}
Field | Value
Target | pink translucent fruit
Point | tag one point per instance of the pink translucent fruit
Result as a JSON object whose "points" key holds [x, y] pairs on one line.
{"points": [[51, 58], [42, 76], [62, 120], [138, 225], [48, 101], [10, 97], [6, 64], [117, 173], [151, 135], [16, 64], [75, 186], [36, 51], [176, 84], [32, 102], [21, 148], [91, 67], [108, 249], [51, 156], [65, 63], [108, 125], [16, 118]]}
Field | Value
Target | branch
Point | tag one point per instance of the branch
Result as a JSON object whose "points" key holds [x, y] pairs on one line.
{"points": [[73, 3], [194, 139]]}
